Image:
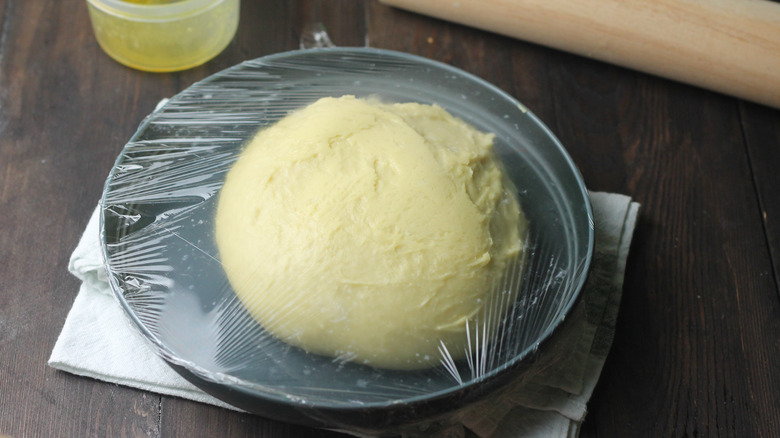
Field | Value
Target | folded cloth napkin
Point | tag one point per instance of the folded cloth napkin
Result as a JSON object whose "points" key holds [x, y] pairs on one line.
{"points": [[97, 341]]}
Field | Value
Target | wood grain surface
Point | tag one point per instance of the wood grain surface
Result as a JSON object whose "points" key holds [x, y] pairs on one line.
{"points": [[697, 346]]}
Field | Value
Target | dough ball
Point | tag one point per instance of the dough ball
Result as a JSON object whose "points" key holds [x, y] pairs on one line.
{"points": [[370, 232]]}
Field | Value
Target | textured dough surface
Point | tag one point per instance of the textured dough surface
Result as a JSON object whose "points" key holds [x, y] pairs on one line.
{"points": [[369, 232]]}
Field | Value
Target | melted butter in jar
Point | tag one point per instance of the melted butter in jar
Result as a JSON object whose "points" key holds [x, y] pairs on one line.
{"points": [[163, 35]]}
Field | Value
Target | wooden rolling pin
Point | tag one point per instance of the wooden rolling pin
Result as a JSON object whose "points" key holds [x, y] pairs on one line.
{"points": [[730, 46]]}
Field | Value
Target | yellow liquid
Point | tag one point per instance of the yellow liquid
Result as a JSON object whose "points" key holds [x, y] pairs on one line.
{"points": [[169, 43]]}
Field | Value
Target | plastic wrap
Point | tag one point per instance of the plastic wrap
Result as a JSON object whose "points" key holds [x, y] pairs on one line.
{"points": [[158, 233]]}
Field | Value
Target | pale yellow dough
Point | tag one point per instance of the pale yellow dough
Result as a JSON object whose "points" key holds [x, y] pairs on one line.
{"points": [[370, 232]]}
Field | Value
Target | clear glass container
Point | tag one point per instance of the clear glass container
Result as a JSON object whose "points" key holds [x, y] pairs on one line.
{"points": [[163, 35]]}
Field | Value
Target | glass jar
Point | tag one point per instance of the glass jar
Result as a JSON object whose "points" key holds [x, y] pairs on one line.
{"points": [[163, 35]]}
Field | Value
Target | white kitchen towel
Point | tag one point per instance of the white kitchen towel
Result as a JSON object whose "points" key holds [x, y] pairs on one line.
{"points": [[97, 340]]}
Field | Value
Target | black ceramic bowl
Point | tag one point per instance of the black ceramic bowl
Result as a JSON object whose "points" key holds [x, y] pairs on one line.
{"points": [[158, 239]]}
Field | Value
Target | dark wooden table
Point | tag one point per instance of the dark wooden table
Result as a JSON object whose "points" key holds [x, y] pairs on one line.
{"points": [[697, 347]]}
